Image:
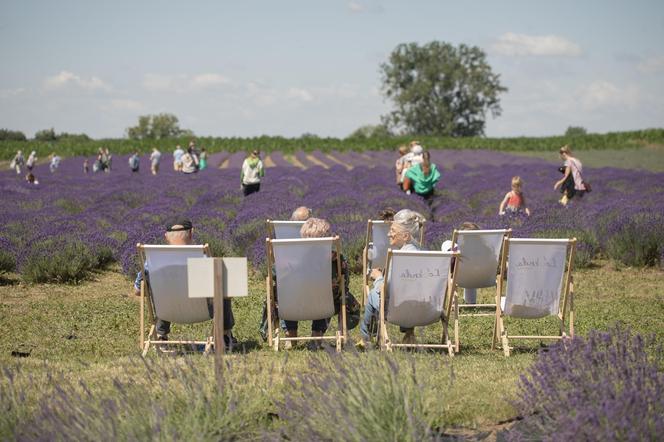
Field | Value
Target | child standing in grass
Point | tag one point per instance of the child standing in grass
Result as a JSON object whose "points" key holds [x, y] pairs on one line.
{"points": [[514, 202]]}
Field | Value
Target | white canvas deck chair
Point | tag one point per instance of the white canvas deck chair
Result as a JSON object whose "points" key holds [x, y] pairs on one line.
{"points": [[165, 288], [477, 267], [416, 288], [539, 284], [374, 254], [283, 229], [303, 270]]}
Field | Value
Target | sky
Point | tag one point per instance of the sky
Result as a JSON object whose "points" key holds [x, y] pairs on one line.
{"points": [[250, 68]]}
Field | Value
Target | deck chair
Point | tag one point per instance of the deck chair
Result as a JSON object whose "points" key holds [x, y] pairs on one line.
{"points": [[415, 293], [284, 229], [165, 289], [304, 285], [539, 284], [480, 252], [374, 254]]}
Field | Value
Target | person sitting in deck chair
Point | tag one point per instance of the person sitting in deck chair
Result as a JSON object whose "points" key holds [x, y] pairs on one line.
{"points": [[179, 233], [404, 234], [320, 228]]}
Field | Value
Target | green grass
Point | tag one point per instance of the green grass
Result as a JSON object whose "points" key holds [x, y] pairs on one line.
{"points": [[90, 332]]}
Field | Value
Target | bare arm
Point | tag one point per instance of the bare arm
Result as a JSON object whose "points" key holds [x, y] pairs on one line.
{"points": [[560, 182], [501, 209]]}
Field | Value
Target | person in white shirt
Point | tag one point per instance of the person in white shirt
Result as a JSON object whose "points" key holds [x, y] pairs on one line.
{"points": [[251, 174]]}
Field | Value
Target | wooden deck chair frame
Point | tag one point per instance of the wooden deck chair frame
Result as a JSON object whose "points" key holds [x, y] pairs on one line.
{"points": [[384, 340], [271, 233], [274, 337], [147, 298], [366, 286], [500, 335], [478, 309]]}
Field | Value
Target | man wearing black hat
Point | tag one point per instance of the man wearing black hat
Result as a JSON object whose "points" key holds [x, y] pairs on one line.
{"points": [[179, 232]]}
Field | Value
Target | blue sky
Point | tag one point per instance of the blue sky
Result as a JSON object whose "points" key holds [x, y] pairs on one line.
{"points": [[292, 67]]}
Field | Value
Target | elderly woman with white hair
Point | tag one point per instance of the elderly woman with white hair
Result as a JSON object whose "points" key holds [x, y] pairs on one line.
{"points": [[404, 234]]}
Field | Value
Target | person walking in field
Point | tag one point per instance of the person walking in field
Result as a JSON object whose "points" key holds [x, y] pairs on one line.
{"points": [[251, 173], [400, 164], [155, 159], [30, 164], [189, 162], [18, 162], [55, 162], [571, 184], [422, 178], [514, 202], [202, 159], [134, 162], [86, 166], [108, 160], [177, 158]]}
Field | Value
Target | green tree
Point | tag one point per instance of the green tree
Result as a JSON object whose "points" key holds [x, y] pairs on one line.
{"points": [[575, 131], [46, 135], [440, 89], [156, 127], [12, 135]]}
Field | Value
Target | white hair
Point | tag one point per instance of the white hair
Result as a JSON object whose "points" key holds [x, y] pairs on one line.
{"points": [[409, 221]]}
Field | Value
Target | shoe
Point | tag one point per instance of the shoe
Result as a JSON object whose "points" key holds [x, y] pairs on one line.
{"points": [[163, 349], [229, 341]]}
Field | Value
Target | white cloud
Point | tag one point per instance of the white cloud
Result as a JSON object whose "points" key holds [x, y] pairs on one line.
{"points": [[65, 78], [652, 65], [601, 95], [537, 45], [183, 83], [299, 94], [126, 104], [354, 6], [208, 80]]}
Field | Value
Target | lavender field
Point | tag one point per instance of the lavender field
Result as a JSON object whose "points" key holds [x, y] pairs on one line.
{"points": [[103, 216]]}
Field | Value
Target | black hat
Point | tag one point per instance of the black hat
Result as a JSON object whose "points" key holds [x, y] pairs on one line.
{"points": [[179, 224]]}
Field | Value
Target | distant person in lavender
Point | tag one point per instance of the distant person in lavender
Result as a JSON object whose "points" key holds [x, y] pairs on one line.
{"points": [[179, 232], [55, 162], [422, 178], [404, 234], [108, 160], [514, 202], [177, 158], [32, 161], [18, 162], [400, 164], [86, 166], [251, 173], [134, 162], [469, 294], [202, 159], [571, 184], [155, 159], [189, 161]]}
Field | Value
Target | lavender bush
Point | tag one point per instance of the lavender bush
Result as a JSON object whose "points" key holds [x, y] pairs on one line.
{"points": [[608, 386], [160, 400], [112, 212], [356, 398]]}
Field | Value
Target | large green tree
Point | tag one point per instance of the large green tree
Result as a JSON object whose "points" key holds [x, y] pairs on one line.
{"points": [[440, 89], [156, 127]]}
